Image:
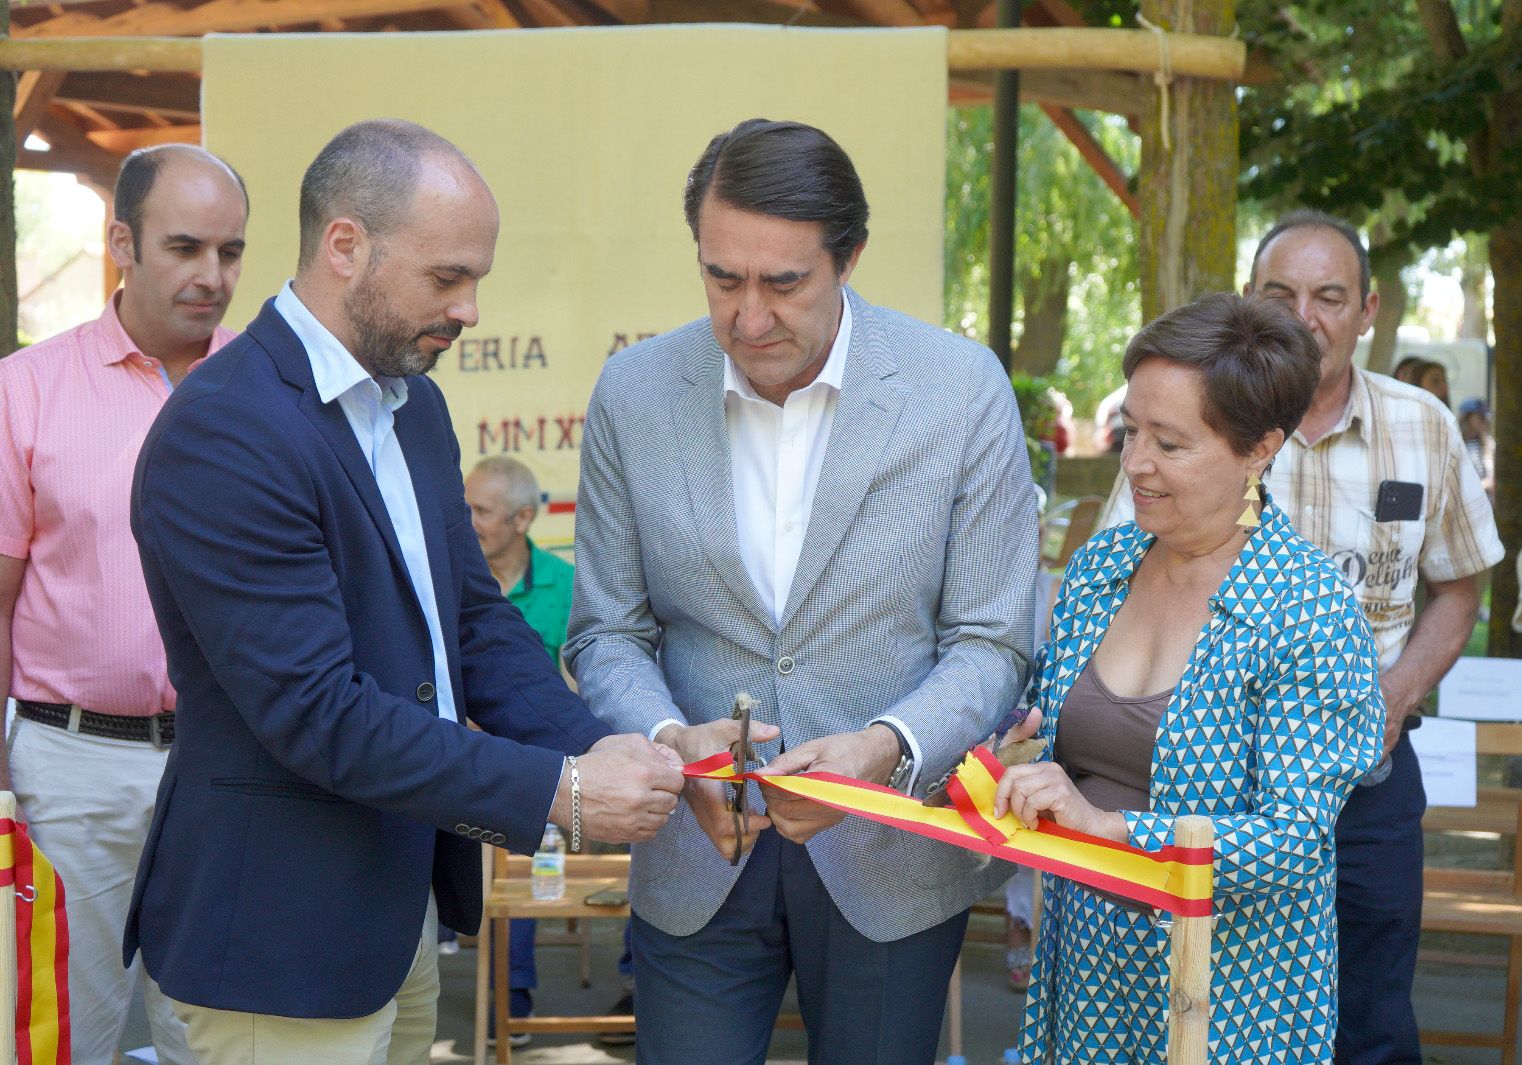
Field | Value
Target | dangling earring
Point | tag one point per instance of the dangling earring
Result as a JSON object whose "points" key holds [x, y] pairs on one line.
{"points": [[1249, 519]]}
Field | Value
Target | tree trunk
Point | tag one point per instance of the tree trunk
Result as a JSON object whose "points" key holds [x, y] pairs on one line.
{"points": [[1393, 298], [1476, 268], [1044, 305], [1504, 141], [1188, 186], [8, 146]]}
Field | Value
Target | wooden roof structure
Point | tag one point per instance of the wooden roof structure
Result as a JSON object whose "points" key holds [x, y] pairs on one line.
{"points": [[91, 120]]}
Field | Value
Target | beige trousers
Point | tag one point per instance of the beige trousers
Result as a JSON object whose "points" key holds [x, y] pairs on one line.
{"points": [[400, 1033], [90, 801]]}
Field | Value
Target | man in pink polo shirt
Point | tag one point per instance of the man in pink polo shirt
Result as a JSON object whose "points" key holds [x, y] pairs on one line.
{"points": [[79, 648]]}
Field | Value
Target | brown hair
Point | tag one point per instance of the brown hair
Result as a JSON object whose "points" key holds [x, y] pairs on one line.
{"points": [[1258, 363], [786, 170]]}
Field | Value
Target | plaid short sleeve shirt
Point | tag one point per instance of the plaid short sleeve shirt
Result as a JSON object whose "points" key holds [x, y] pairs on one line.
{"points": [[1329, 490]]}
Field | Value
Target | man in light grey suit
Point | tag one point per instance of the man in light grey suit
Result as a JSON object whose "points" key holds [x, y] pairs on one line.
{"points": [[827, 505]]}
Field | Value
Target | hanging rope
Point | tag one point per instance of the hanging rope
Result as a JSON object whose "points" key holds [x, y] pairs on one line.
{"points": [[1163, 77]]}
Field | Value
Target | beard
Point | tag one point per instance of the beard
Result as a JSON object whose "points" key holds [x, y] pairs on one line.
{"points": [[383, 338]]}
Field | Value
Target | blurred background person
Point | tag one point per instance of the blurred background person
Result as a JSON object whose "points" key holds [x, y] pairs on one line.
{"points": [[1474, 427]]}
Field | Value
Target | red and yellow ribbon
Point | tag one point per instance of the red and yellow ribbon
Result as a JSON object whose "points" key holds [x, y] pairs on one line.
{"points": [[42, 949], [1176, 879]]}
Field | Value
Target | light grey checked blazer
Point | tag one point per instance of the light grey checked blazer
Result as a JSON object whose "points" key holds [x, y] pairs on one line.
{"points": [[912, 594]]}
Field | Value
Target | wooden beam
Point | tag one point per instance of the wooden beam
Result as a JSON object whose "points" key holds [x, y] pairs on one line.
{"points": [[1192, 55], [217, 16], [1094, 154], [175, 98], [122, 141], [34, 91], [103, 53], [71, 152], [884, 12], [94, 118], [1085, 90], [539, 13], [763, 12], [629, 12], [498, 15]]}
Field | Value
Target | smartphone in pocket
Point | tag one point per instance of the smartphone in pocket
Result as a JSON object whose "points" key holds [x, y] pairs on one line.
{"points": [[1398, 501]]}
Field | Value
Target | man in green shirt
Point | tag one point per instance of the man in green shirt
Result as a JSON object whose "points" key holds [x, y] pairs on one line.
{"points": [[504, 500]]}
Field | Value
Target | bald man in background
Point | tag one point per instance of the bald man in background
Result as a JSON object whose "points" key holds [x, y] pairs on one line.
{"points": [[79, 650]]}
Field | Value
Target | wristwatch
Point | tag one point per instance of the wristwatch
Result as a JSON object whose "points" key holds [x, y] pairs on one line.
{"points": [[902, 773]]}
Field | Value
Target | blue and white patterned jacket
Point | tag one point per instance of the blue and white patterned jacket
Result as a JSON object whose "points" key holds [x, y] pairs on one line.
{"points": [[1277, 715]]}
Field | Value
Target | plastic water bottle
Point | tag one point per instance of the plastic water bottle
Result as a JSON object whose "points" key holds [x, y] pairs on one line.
{"points": [[547, 871]]}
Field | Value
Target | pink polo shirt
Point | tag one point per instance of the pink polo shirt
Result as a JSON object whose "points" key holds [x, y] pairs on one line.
{"points": [[74, 410]]}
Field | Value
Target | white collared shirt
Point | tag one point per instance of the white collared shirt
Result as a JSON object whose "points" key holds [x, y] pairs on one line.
{"points": [[370, 406], [775, 456]]}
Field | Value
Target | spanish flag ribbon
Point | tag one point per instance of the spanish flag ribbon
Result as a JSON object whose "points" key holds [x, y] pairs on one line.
{"points": [[1175, 879], [42, 949]]}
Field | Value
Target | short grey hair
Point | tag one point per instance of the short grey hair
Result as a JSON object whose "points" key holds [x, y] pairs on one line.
{"points": [[368, 173], [520, 488], [1307, 218]]}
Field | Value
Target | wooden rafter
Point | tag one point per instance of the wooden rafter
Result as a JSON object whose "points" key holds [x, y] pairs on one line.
{"points": [[884, 12], [174, 98], [122, 141], [89, 114], [1094, 154], [1087, 90], [497, 15], [70, 151], [35, 89], [541, 13], [217, 16]]}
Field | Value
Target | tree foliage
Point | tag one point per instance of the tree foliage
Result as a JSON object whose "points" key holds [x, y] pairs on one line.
{"points": [[1075, 237], [1365, 120]]}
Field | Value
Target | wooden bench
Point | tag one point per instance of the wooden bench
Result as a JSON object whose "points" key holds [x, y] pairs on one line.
{"points": [[1481, 901]]}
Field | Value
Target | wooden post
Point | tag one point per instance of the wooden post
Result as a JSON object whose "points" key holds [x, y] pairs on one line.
{"points": [[1003, 210], [483, 961], [7, 939], [1188, 175], [1189, 965], [9, 296]]}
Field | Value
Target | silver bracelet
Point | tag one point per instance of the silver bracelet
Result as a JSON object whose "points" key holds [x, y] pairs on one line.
{"points": [[575, 804]]}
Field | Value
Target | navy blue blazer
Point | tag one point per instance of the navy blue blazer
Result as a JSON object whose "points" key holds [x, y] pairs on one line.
{"points": [[313, 795]]}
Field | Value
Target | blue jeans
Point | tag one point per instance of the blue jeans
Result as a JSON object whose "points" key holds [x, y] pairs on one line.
{"points": [[714, 995], [1379, 916]]}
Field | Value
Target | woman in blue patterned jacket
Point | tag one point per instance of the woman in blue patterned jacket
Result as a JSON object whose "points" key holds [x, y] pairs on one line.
{"points": [[1204, 660]]}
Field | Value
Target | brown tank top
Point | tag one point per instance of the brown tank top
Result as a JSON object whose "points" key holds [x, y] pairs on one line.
{"points": [[1105, 741]]}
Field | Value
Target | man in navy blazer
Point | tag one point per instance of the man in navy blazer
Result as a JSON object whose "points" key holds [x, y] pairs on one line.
{"points": [[330, 625]]}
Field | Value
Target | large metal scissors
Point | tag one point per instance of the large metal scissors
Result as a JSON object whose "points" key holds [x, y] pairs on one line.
{"points": [[742, 754]]}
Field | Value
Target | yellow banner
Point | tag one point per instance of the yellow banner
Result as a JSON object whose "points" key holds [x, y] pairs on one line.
{"points": [[586, 137]]}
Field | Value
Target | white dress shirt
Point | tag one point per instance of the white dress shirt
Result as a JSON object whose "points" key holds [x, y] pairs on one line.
{"points": [[775, 456], [370, 405]]}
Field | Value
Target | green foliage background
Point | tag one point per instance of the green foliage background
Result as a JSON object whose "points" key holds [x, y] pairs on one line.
{"points": [[1068, 220]]}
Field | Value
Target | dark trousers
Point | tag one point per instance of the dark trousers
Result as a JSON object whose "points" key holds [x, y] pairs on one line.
{"points": [[713, 996], [1379, 916]]}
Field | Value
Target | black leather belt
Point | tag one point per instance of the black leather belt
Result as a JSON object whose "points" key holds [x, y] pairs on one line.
{"points": [[157, 729]]}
